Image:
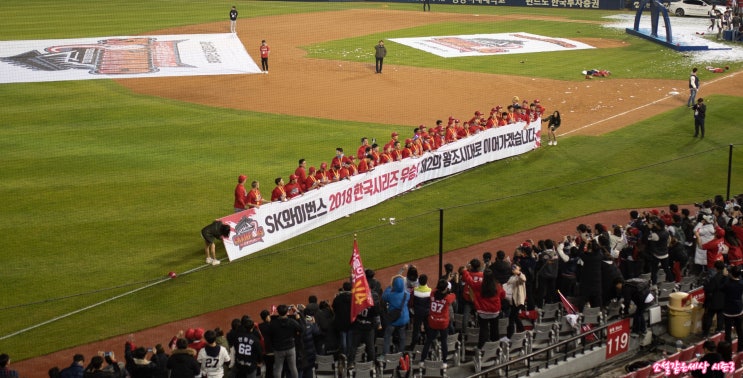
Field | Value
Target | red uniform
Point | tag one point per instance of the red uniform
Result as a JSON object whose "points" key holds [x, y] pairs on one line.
{"points": [[438, 313], [278, 194], [241, 196], [293, 188], [254, 198], [484, 304], [311, 183], [361, 152], [385, 158], [715, 250], [451, 134], [364, 166]]}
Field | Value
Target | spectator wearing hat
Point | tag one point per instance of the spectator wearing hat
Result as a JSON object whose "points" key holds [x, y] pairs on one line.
{"points": [[241, 195], [293, 189], [5, 370], [216, 230]]}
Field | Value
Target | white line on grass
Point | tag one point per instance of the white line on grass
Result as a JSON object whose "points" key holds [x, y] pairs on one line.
{"points": [[643, 106]]}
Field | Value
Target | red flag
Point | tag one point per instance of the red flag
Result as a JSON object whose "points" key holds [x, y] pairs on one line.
{"points": [[572, 310], [361, 296]]}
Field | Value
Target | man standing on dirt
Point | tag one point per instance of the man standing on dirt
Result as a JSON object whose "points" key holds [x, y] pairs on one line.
{"points": [[379, 53], [265, 50], [427, 4], [693, 87], [233, 20]]}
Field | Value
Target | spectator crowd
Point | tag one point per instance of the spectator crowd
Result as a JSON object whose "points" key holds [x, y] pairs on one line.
{"points": [[594, 267]]}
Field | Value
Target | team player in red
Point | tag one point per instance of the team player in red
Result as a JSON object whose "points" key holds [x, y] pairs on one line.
{"points": [[241, 195], [386, 156], [255, 200], [311, 182], [265, 51], [279, 193], [392, 141], [366, 164], [361, 151], [322, 174], [293, 188], [301, 173], [438, 317]]}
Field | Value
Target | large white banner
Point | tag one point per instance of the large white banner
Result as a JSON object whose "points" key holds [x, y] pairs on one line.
{"points": [[253, 230], [490, 44], [123, 57]]}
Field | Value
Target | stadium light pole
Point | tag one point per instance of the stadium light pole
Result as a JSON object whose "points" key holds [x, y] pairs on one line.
{"points": [[730, 170], [441, 242]]}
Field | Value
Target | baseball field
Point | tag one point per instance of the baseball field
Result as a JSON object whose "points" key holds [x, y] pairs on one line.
{"points": [[105, 184]]}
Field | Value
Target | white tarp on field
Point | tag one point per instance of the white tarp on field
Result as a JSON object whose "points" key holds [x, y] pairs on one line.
{"points": [[123, 57], [256, 229], [490, 44]]}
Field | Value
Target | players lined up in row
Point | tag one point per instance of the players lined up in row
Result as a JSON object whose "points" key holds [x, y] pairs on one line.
{"points": [[370, 154]]}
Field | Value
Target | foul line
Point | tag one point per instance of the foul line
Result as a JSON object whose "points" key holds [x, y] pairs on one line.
{"points": [[711, 82]]}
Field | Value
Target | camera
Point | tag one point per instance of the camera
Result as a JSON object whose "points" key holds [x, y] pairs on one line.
{"points": [[107, 354]]}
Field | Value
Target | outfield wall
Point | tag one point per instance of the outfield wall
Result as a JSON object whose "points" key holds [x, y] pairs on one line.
{"points": [[570, 4]]}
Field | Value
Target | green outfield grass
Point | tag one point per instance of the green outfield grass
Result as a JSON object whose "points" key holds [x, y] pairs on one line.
{"points": [[105, 191]]}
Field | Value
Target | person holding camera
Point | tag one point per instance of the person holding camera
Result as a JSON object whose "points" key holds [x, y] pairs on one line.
{"points": [[283, 330]]}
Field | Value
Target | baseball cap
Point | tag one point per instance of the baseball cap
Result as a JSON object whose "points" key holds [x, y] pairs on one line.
{"points": [[477, 113], [292, 177], [241, 178], [394, 134], [323, 165], [536, 100]]}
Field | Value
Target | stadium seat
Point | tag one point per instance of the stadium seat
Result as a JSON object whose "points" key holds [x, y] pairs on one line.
{"points": [[491, 354], [687, 354], [435, 369], [389, 364], [738, 373], [326, 366], [550, 312], [363, 370], [717, 337], [644, 372]]}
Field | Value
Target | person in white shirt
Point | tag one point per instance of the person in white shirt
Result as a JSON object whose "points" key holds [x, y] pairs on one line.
{"points": [[212, 357]]}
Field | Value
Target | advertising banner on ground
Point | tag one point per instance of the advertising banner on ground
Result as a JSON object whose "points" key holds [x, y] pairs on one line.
{"points": [[256, 229], [454, 46], [123, 57]]}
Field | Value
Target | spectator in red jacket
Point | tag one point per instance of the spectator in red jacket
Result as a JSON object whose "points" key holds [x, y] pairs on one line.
{"points": [[488, 296]]}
